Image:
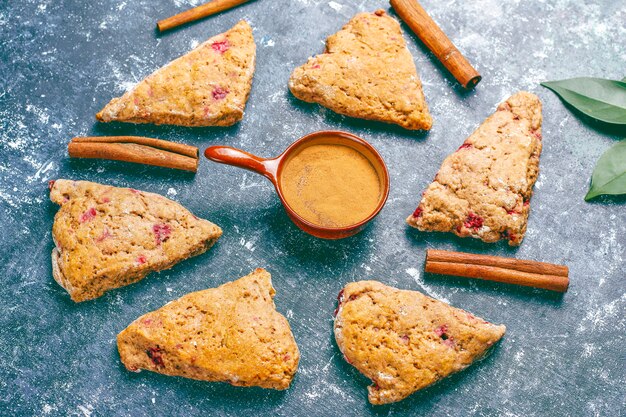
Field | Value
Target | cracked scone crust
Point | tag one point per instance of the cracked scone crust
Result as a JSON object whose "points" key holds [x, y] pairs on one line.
{"points": [[483, 190], [108, 237], [208, 86], [405, 341], [231, 333], [365, 72]]}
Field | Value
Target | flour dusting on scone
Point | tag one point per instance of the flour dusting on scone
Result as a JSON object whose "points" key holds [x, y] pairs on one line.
{"points": [[483, 190], [405, 341], [231, 333], [108, 237], [366, 72], [208, 86]]}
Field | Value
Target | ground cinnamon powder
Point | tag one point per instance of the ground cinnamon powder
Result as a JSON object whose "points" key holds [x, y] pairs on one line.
{"points": [[331, 185]]}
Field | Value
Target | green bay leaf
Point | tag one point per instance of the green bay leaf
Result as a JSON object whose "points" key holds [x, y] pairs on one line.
{"points": [[600, 99], [609, 175]]}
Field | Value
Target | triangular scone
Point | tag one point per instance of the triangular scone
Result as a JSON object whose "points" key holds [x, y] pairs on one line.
{"points": [[483, 190], [405, 341], [208, 86], [107, 237], [231, 333], [366, 72]]}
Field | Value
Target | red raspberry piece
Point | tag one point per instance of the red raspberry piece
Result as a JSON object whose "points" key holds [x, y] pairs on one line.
{"points": [[418, 212], [51, 184], [465, 146], [219, 93], [509, 235], [339, 302], [156, 356], [88, 215], [161, 232], [141, 259], [220, 46], [473, 221], [105, 234], [441, 331]]}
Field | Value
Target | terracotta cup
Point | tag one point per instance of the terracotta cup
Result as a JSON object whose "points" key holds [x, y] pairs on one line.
{"points": [[271, 169]]}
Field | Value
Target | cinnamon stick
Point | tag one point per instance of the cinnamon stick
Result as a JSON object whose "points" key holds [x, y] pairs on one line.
{"points": [[199, 12], [136, 149], [495, 268], [414, 15]]}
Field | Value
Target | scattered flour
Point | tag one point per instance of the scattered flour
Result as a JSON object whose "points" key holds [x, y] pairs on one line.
{"points": [[42, 114], [86, 410], [187, 3], [415, 274], [602, 315], [335, 6], [248, 244], [588, 350], [245, 184]]}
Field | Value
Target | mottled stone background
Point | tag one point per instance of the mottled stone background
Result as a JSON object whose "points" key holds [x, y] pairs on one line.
{"points": [[62, 60]]}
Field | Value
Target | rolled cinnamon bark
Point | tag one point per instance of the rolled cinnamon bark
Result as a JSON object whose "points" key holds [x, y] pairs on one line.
{"points": [[495, 268], [436, 41], [198, 12], [136, 149]]}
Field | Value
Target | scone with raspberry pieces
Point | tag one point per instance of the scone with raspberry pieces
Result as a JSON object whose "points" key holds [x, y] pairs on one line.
{"points": [[366, 72], [208, 86], [231, 333], [405, 341], [107, 237], [483, 190]]}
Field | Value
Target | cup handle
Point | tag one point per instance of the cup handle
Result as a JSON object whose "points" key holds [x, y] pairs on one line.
{"points": [[245, 160]]}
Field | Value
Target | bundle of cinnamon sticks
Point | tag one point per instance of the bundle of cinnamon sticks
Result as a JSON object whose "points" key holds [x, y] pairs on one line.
{"points": [[136, 149], [495, 268]]}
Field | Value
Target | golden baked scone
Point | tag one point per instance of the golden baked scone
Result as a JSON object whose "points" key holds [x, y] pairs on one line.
{"points": [[208, 86], [404, 341], [483, 190], [365, 72], [231, 333], [107, 237]]}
